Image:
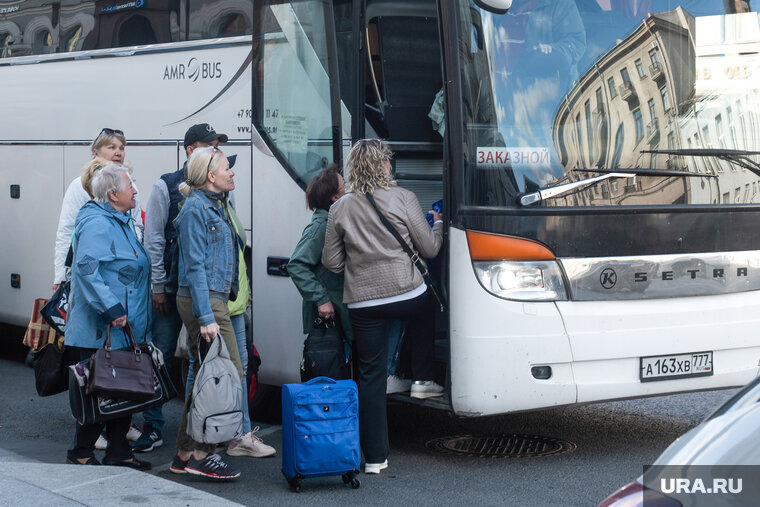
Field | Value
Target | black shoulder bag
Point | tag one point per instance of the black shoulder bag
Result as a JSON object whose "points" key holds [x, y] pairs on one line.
{"points": [[57, 308], [429, 280], [323, 352]]}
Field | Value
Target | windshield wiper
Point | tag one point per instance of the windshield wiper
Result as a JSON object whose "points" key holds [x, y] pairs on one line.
{"points": [[548, 192], [738, 157]]}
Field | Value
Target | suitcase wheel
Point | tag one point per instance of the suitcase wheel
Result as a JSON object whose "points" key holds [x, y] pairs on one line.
{"points": [[295, 483], [350, 478]]}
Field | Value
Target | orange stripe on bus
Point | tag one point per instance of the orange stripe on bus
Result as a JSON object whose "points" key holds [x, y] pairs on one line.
{"points": [[494, 247]]}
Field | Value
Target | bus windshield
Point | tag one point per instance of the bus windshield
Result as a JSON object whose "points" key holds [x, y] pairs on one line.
{"points": [[557, 91]]}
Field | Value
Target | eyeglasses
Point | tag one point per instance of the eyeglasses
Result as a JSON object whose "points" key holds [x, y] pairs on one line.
{"points": [[111, 132], [208, 167]]}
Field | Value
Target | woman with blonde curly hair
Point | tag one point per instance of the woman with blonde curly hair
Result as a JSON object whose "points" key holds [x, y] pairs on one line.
{"points": [[382, 284]]}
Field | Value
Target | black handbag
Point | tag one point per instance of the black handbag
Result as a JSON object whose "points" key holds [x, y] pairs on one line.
{"points": [[93, 409], [323, 353], [123, 374], [50, 368], [430, 281], [55, 310]]}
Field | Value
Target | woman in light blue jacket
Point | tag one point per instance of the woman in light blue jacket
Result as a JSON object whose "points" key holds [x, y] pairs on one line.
{"points": [[110, 285]]}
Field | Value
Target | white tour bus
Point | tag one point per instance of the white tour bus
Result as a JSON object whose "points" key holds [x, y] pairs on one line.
{"points": [[597, 162]]}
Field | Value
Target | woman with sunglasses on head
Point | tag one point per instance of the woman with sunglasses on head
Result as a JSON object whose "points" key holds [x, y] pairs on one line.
{"points": [[382, 284], [108, 145], [106, 148], [208, 279]]}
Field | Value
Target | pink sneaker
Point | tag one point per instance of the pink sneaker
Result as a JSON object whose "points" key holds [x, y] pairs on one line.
{"points": [[250, 445]]}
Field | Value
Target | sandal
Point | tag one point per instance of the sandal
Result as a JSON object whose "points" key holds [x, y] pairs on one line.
{"points": [[131, 463], [89, 461]]}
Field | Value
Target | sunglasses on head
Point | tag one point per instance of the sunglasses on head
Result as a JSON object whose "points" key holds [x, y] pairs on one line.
{"points": [[208, 167], [111, 132]]}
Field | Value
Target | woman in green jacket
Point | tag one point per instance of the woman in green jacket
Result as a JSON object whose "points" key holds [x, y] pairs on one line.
{"points": [[322, 290]]}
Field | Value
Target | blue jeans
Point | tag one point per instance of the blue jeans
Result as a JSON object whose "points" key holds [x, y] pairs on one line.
{"points": [[238, 324], [395, 333], [165, 330]]}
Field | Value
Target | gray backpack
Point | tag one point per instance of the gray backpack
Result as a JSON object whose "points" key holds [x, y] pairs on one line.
{"points": [[216, 407]]}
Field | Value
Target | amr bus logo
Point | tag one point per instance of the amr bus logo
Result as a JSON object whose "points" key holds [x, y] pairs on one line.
{"points": [[193, 70], [608, 278]]}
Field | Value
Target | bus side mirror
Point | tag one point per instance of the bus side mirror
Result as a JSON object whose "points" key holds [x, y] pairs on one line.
{"points": [[495, 6]]}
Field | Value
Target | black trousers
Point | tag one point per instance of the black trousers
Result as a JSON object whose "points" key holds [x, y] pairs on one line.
{"points": [[86, 435], [370, 327]]}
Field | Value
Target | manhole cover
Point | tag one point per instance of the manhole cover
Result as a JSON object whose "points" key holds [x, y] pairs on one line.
{"points": [[501, 446]]}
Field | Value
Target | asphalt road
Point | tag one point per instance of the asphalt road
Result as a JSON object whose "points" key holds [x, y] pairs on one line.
{"points": [[614, 440]]}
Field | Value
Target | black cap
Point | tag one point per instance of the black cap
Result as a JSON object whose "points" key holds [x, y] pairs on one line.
{"points": [[231, 159], [204, 133]]}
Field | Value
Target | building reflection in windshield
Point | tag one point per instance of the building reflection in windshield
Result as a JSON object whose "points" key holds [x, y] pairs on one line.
{"points": [[676, 82]]}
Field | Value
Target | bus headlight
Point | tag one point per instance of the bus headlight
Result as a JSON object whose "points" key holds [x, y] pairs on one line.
{"points": [[522, 280]]}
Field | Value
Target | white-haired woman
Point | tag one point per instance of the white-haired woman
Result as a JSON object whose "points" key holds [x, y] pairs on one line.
{"points": [[208, 277], [109, 146], [381, 284], [110, 285]]}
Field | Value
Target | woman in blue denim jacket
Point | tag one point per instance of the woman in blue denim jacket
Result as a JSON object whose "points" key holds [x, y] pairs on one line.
{"points": [[110, 285], [208, 279]]}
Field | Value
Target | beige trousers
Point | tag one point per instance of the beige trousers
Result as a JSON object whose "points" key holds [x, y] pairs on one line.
{"points": [[222, 317]]}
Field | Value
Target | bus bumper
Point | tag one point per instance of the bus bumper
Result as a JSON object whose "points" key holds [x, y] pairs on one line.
{"points": [[594, 348]]}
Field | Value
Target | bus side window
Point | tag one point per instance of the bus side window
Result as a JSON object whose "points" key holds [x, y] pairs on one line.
{"points": [[207, 19], [81, 25], [28, 30]]}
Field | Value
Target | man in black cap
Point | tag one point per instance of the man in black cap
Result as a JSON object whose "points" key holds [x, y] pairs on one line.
{"points": [[160, 242]]}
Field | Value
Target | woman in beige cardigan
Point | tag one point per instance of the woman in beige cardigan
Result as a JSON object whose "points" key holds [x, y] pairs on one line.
{"points": [[382, 284]]}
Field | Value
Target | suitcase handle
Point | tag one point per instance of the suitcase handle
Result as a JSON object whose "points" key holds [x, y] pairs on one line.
{"points": [[326, 380]]}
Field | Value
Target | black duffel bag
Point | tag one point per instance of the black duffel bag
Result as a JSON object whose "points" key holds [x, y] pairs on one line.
{"points": [[323, 352], [91, 409]]}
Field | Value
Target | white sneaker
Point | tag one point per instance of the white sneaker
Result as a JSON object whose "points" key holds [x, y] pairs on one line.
{"points": [[374, 468], [397, 384], [250, 445], [422, 389], [102, 443], [133, 435]]}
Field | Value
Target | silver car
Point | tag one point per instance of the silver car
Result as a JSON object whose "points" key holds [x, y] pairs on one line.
{"points": [[705, 466]]}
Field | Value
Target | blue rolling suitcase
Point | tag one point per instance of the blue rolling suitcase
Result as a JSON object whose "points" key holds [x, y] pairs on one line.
{"points": [[320, 431]]}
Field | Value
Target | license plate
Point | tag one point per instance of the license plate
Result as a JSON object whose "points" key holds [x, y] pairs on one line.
{"points": [[696, 364]]}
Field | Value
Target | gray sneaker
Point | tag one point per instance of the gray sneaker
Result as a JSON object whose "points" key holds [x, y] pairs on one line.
{"points": [[396, 384], [212, 467], [422, 389]]}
